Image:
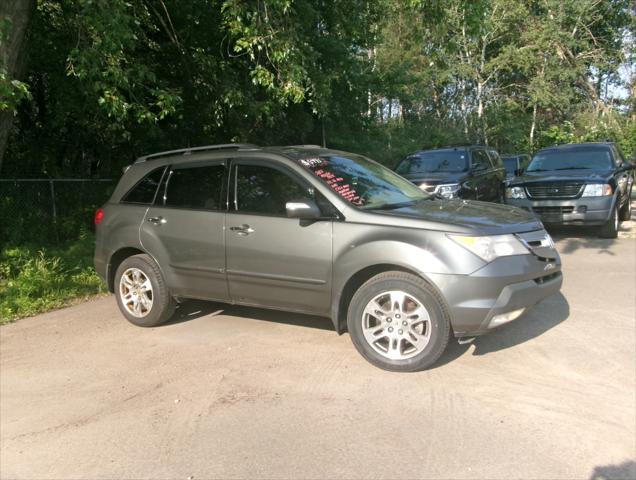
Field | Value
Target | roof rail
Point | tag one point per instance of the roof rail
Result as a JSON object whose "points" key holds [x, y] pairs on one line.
{"points": [[188, 151], [309, 145]]}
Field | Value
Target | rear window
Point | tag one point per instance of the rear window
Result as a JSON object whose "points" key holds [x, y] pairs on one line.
{"points": [[145, 190], [434, 161]]}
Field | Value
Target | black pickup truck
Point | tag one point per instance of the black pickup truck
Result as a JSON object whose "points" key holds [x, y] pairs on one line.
{"points": [[576, 184]]}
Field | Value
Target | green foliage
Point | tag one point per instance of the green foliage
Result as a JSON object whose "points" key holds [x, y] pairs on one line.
{"points": [[12, 91], [34, 279]]}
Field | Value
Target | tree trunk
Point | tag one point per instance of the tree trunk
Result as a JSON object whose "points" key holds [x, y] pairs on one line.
{"points": [[533, 126], [16, 14]]}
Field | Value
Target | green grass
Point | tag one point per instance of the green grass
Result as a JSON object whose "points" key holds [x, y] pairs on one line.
{"points": [[35, 279]]}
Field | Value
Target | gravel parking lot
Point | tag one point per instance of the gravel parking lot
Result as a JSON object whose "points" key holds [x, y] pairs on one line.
{"points": [[232, 392]]}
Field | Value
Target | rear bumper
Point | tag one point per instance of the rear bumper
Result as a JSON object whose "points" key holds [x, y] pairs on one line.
{"points": [[574, 211], [509, 284]]}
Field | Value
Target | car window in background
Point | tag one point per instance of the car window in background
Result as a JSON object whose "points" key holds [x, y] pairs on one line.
{"points": [[433, 162], [481, 158], [266, 190], [495, 159], [361, 181], [198, 188], [510, 164], [144, 191], [584, 158]]}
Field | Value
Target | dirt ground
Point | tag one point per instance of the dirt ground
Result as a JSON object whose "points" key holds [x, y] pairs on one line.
{"points": [[232, 392]]}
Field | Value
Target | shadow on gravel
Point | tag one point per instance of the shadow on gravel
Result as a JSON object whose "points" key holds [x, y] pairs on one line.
{"points": [[570, 239], [626, 470], [537, 321], [191, 309]]}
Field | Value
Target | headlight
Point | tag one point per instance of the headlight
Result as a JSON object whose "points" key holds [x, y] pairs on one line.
{"points": [[490, 247], [448, 191], [597, 190], [515, 192]]}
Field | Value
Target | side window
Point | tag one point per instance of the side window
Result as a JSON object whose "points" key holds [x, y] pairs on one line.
{"points": [[495, 159], [198, 188], [144, 191], [266, 190], [480, 158], [618, 158]]}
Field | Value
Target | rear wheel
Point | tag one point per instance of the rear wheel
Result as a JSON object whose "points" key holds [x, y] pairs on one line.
{"points": [[142, 294], [610, 229], [398, 322]]}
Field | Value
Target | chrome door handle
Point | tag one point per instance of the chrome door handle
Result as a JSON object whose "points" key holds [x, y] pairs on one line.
{"points": [[242, 229], [157, 220]]}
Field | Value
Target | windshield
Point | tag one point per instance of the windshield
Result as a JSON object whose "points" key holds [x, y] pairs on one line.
{"points": [[510, 164], [435, 161], [585, 158], [362, 182]]}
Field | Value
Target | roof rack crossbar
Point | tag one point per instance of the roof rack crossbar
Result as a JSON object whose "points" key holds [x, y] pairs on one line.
{"points": [[188, 151]]}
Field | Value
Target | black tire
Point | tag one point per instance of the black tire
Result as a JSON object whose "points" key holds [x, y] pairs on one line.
{"points": [[626, 211], [163, 304], [610, 228], [424, 293]]}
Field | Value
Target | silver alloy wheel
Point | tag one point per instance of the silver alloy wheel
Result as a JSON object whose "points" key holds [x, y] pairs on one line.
{"points": [[135, 292], [396, 325]]}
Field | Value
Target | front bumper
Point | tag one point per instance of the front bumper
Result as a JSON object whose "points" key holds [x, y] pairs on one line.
{"points": [[505, 285], [573, 211]]}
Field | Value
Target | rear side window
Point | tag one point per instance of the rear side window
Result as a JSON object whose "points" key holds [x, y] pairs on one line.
{"points": [[145, 190], [197, 188]]}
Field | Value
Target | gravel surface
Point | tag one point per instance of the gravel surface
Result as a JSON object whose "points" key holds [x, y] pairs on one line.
{"points": [[232, 392]]}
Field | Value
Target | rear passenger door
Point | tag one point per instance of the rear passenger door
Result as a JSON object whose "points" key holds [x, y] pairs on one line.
{"points": [[184, 230], [273, 260]]}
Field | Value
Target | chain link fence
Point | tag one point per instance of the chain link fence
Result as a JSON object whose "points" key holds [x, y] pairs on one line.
{"points": [[49, 211]]}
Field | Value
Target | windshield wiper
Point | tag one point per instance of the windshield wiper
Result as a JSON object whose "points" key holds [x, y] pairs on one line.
{"points": [[573, 168]]}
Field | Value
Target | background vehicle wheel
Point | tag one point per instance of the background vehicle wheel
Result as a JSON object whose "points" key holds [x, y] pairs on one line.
{"points": [[626, 211], [610, 229], [398, 322], [141, 292]]}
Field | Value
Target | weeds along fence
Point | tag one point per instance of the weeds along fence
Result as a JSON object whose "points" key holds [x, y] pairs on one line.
{"points": [[49, 211]]}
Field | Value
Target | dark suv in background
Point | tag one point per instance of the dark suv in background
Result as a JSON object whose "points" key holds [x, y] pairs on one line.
{"points": [[324, 232], [515, 164], [472, 172], [577, 184]]}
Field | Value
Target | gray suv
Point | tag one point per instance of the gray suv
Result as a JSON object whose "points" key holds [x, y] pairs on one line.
{"points": [[322, 232]]}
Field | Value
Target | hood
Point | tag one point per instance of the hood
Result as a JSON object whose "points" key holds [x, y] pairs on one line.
{"points": [[479, 217], [436, 178], [562, 176]]}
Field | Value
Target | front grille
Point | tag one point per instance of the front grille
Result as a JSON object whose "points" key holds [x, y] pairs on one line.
{"points": [[552, 210], [554, 190]]}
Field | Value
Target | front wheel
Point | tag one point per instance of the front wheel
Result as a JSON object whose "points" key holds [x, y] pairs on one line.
{"points": [[626, 211], [610, 228], [142, 294], [398, 322]]}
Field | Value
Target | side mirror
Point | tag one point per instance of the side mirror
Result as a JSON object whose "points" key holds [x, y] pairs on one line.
{"points": [[518, 172], [303, 209]]}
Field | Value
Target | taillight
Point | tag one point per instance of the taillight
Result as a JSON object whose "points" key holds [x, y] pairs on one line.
{"points": [[99, 216]]}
